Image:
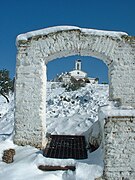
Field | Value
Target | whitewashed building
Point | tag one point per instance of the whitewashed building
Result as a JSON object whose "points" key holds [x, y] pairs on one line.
{"points": [[77, 73]]}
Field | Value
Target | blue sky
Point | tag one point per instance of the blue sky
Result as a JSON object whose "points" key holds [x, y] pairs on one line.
{"points": [[20, 16]]}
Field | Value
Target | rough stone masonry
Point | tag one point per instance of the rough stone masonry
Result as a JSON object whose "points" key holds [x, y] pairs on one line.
{"points": [[118, 128], [119, 146], [35, 49]]}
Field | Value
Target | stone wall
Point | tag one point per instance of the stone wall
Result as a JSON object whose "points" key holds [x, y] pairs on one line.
{"points": [[36, 49], [30, 105], [119, 148], [122, 72]]}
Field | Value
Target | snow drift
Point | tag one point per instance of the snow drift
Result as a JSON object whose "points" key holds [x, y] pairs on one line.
{"points": [[72, 112]]}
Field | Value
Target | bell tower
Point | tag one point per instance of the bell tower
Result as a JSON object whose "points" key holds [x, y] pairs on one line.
{"points": [[78, 64]]}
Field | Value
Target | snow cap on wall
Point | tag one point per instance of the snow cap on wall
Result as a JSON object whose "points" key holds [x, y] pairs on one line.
{"points": [[45, 31]]}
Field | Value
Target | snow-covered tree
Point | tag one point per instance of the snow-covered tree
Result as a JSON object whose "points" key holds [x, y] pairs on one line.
{"points": [[6, 84]]}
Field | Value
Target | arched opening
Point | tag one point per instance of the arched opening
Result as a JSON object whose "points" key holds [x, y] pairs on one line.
{"points": [[74, 111]]}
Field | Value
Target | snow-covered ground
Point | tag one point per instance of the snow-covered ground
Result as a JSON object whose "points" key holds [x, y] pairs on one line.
{"points": [[67, 113], [76, 111]]}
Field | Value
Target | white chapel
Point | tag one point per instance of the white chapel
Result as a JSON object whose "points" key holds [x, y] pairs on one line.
{"points": [[78, 74]]}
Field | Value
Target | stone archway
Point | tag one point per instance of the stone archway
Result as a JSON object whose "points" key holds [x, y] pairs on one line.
{"points": [[37, 48]]}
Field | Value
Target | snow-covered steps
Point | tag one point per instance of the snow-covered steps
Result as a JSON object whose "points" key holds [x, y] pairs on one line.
{"points": [[66, 146]]}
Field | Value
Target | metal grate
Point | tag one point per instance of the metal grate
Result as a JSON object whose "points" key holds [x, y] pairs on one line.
{"points": [[66, 146]]}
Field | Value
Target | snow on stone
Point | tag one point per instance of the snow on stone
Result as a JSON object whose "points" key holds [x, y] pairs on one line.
{"points": [[111, 109], [46, 31], [71, 112]]}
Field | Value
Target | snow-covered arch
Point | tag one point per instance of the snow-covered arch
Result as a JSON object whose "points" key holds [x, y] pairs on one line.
{"points": [[37, 48]]}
